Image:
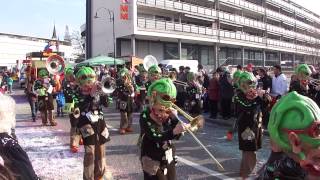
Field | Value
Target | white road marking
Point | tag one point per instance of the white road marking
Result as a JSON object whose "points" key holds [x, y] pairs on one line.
{"points": [[204, 169]]}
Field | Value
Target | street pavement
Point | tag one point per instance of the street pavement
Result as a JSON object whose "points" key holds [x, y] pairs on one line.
{"points": [[48, 149]]}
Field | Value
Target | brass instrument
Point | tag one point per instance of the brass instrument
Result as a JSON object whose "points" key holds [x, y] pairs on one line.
{"points": [[108, 85], [196, 123], [55, 64], [76, 113], [149, 61], [180, 83], [314, 82]]}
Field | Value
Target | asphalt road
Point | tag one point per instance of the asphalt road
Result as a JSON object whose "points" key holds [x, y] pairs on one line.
{"points": [[122, 152]]}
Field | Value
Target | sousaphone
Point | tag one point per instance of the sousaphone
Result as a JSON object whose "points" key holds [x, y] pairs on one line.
{"points": [[149, 61], [55, 64]]}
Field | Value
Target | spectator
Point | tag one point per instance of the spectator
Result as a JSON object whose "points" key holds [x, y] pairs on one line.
{"points": [[265, 81], [182, 76], [226, 97], [250, 67], [15, 156], [10, 84], [279, 82], [213, 94], [239, 67]]}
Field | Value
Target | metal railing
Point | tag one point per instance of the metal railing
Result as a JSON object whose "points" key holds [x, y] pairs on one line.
{"points": [[245, 4], [295, 9], [182, 6], [169, 26], [160, 25], [190, 8]]}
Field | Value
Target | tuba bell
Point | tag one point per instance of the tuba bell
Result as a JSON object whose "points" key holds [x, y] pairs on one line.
{"points": [[55, 64], [149, 61], [108, 85]]}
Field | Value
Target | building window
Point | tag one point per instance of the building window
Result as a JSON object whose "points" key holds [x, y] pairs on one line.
{"points": [[204, 56], [189, 51], [171, 51]]}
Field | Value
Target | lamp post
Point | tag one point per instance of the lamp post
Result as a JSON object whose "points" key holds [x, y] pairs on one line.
{"points": [[111, 17]]}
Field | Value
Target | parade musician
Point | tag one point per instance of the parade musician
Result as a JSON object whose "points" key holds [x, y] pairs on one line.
{"points": [[159, 127]]}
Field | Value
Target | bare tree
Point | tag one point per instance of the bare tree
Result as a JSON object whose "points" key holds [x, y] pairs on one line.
{"points": [[78, 44]]}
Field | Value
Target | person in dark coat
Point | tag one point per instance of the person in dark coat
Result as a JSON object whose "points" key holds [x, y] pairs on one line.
{"points": [[15, 158], [213, 94], [226, 97], [265, 83]]}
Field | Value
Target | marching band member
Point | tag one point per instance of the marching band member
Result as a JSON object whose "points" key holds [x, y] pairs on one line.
{"points": [[294, 129], [194, 94], [141, 81], [125, 93], [248, 102], [91, 123], [301, 83], [44, 87], [159, 126], [154, 73], [70, 92]]}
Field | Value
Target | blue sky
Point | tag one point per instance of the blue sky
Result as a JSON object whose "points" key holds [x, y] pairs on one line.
{"points": [[37, 17]]}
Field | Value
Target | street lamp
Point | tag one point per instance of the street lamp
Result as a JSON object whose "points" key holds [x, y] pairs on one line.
{"points": [[111, 18]]}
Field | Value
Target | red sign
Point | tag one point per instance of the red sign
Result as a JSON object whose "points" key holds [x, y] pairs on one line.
{"points": [[124, 11]]}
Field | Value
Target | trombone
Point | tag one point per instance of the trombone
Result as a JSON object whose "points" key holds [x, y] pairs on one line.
{"points": [[180, 83], [314, 82], [196, 123]]}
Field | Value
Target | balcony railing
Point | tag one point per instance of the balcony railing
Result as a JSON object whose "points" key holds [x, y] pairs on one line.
{"points": [[195, 30], [182, 6], [176, 27], [285, 4], [246, 5], [241, 20]]}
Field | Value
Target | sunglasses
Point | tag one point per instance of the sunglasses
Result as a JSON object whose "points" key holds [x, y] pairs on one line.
{"points": [[84, 77], [166, 97], [313, 131]]}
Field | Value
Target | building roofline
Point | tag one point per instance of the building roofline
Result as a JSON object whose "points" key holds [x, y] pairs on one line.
{"points": [[301, 7], [33, 38]]}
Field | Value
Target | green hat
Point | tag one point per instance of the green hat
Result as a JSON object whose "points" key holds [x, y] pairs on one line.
{"points": [[123, 72], [190, 76], [85, 74], [43, 73], [68, 71], [163, 87], [246, 77], [237, 74], [154, 69], [293, 112], [304, 69]]}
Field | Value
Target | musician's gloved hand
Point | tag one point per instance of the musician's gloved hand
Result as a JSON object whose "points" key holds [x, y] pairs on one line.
{"points": [[180, 128]]}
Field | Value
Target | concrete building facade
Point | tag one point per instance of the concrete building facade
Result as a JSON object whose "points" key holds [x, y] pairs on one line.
{"points": [[215, 32]]}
